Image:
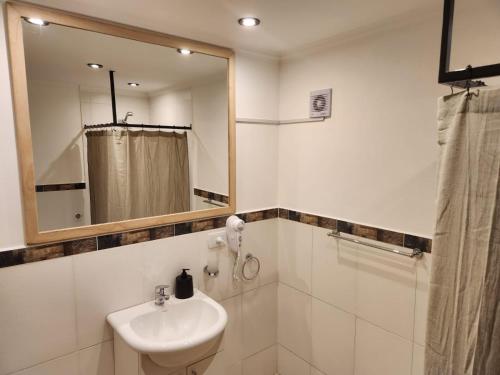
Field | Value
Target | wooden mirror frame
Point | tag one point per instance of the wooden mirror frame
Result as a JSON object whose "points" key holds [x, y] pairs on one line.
{"points": [[15, 12]]}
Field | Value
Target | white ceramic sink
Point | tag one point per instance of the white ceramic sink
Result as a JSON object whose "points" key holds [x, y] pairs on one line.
{"points": [[175, 334]]}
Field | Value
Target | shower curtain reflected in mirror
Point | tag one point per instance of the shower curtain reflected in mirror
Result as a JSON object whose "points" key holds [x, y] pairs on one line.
{"points": [[135, 174]]}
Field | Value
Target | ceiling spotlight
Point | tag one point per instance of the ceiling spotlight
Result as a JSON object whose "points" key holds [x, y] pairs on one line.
{"points": [[184, 51], [249, 21], [94, 66], [133, 84], [36, 21]]}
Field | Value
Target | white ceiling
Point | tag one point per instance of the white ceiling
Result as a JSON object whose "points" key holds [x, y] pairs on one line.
{"points": [[287, 25], [59, 53]]}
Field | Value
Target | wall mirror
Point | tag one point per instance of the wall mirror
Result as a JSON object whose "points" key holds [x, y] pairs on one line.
{"points": [[118, 128]]}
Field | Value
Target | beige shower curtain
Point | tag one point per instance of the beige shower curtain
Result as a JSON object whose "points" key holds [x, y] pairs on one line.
{"points": [[463, 330], [134, 174]]}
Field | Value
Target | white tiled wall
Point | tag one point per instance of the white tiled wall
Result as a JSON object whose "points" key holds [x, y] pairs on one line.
{"points": [[338, 308], [344, 309], [52, 315]]}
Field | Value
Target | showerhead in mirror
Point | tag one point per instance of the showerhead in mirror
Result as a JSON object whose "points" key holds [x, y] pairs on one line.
{"points": [[127, 115]]}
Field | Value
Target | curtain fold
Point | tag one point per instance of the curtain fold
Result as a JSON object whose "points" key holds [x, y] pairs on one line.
{"points": [[463, 328], [134, 174]]}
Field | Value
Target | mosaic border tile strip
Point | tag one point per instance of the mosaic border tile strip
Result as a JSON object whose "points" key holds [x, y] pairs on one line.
{"points": [[212, 196], [57, 250], [60, 187], [43, 252], [383, 235]]}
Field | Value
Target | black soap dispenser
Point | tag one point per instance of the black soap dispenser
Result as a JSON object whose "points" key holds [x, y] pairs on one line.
{"points": [[184, 285]]}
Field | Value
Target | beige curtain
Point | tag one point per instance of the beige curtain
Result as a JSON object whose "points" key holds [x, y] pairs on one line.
{"points": [[134, 174], [463, 330]]}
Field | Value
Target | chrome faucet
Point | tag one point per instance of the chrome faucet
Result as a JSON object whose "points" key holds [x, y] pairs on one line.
{"points": [[161, 294]]}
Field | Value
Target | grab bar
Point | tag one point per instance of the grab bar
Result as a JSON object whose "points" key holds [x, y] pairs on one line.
{"points": [[416, 253]]}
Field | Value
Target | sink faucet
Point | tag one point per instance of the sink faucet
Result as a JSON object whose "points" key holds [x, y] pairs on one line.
{"points": [[161, 294]]}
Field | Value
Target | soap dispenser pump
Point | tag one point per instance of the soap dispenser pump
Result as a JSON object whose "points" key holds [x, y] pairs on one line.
{"points": [[184, 285]]}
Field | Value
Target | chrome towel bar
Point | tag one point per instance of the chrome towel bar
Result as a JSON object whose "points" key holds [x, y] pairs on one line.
{"points": [[211, 201], [416, 253]]}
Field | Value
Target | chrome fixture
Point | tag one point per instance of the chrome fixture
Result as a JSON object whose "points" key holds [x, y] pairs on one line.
{"points": [[215, 203], [161, 294], [211, 273], [127, 115], [278, 122], [248, 259], [416, 253]]}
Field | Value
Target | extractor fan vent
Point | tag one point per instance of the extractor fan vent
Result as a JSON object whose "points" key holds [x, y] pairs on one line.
{"points": [[320, 103]]}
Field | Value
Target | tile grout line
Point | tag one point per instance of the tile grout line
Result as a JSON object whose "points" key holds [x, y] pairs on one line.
{"points": [[348, 312], [414, 315], [311, 288], [75, 352], [259, 351], [73, 275]]}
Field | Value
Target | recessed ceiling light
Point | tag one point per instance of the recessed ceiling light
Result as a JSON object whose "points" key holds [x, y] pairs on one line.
{"points": [[36, 21], [184, 51], [133, 84], [94, 66], [249, 21]]}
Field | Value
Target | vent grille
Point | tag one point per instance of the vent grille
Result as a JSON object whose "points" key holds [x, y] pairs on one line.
{"points": [[320, 103]]}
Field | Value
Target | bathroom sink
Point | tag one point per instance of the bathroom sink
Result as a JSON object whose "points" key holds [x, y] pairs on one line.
{"points": [[174, 334]]}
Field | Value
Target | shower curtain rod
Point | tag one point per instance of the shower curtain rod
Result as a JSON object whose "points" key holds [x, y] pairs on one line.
{"points": [[142, 126]]}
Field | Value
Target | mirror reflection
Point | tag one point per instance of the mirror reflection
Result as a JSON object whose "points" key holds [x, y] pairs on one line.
{"points": [[123, 129]]}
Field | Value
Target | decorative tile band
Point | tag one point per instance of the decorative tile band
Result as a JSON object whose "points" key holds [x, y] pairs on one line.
{"points": [[43, 252], [57, 250], [383, 235], [60, 187], [212, 196]]}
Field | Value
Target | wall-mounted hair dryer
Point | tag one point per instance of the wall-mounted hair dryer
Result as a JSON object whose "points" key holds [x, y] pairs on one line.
{"points": [[234, 227]]}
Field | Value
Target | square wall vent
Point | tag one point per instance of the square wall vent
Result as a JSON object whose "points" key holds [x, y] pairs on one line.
{"points": [[320, 103]]}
